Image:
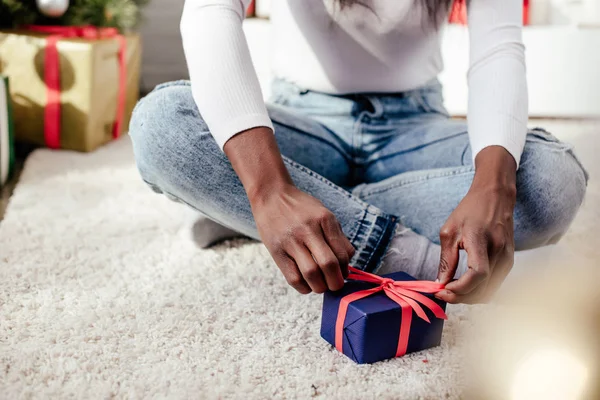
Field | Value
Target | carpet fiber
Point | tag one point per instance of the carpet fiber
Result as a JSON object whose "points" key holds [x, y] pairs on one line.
{"points": [[103, 294]]}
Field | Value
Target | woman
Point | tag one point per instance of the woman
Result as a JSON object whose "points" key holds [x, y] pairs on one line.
{"points": [[354, 159]]}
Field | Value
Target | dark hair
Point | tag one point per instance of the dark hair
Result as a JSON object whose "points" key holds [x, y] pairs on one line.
{"points": [[435, 10]]}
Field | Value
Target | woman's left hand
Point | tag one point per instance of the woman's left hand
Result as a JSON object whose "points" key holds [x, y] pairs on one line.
{"points": [[482, 224]]}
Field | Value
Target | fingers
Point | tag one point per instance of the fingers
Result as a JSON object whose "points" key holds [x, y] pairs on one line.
{"points": [[465, 289], [449, 256], [319, 251], [327, 262], [311, 272], [292, 274], [323, 255], [338, 243]]}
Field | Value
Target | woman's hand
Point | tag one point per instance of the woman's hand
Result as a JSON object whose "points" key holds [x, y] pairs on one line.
{"points": [[303, 237], [482, 224]]}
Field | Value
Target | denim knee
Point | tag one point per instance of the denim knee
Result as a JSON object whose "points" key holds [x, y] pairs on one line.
{"points": [[158, 127], [551, 187]]}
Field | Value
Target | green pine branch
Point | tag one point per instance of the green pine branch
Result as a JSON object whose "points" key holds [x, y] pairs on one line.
{"points": [[17, 11], [122, 14]]}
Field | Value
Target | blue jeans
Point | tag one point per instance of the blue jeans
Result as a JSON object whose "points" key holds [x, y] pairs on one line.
{"points": [[372, 159]]}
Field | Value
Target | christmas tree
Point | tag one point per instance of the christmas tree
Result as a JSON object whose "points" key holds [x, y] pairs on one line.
{"points": [[121, 14]]}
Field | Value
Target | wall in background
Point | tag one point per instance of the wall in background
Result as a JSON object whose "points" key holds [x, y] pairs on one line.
{"points": [[162, 55], [562, 71], [580, 12]]}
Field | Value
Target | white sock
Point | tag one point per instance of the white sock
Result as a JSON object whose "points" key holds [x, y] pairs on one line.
{"points": [[205, 232], [416, 255]]}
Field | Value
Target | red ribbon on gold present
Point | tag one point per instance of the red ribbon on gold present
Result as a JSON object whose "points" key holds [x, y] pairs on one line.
{"points": [[408, 294], [52, 74]]}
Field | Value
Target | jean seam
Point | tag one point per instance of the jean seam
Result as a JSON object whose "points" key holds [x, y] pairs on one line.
{"points": [[366, 246], [322, 179], [462, 171], [411, 149], [313, 136], [381, 237], [365, 223], [359, 224]]}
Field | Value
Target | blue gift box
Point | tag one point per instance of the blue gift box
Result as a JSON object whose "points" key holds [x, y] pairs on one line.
{"points": [[372, 324]]}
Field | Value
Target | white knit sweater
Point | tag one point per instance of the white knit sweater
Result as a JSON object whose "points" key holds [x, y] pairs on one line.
{"points": [[384, 49]]}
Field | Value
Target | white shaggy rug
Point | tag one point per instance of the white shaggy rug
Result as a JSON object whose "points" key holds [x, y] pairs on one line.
{"points": [[103, 294]]}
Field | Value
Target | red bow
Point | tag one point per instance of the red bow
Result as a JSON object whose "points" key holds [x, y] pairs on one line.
{"points": [[52, 74], [405, 293]]}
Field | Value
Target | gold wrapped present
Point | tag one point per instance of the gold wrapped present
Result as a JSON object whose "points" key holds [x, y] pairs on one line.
{"points": [[81, 112]]}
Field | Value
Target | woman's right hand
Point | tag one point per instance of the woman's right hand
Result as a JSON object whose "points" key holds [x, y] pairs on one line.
{"points": [[304, 238]]}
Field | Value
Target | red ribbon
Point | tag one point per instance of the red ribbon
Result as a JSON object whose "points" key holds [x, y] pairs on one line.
{"points": [[405, 293], [458, 12], [52, 74]]}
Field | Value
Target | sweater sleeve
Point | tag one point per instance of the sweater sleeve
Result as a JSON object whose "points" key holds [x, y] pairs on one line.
{"points": [[225, 86], [498, 97]]}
